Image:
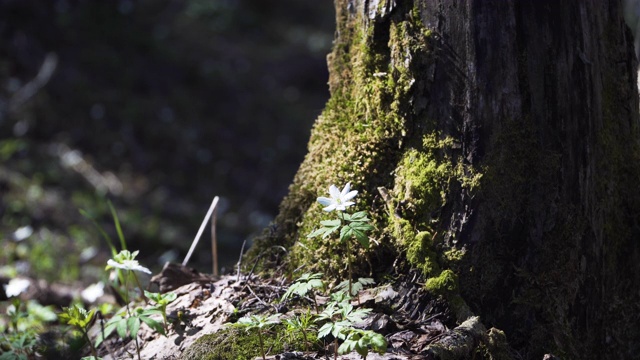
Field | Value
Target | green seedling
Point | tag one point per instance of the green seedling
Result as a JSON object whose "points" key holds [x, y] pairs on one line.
{"points": [[339, 317], [304, 323], [361, 341], [306, 284], [259, 323], [128, 323], [18, 345], [19, 335], [161, 301], [81, 319]]}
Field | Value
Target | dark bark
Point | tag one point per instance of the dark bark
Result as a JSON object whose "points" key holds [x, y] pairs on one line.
{"points": [[538, 98]]}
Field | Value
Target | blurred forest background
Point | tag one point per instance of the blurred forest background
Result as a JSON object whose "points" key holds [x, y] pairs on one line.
{"points": [[158, 105]]}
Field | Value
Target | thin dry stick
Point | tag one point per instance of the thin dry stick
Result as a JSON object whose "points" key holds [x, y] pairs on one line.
{"points": [[214, 242], [197, 238], [240, 259]]}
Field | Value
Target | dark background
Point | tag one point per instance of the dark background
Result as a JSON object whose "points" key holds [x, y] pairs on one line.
{"points": [[158, 106]]}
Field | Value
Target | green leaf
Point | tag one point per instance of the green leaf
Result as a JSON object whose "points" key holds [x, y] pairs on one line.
{"points": [[12, 356], [108, 329], [121, 328], [362, 238], [315, 233], [116, 222], [346, 347], [324, 330], [340, 328], [366, 281], [106, 237], [345, 233], [133, 323], [331, 223], [150, 311], [324, 231], [359, 216], [316, 283], [155, 325], [362, 226], [378, 343]]}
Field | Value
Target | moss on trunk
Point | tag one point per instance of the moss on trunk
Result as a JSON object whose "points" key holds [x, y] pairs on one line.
{"points": [[496, 148]]}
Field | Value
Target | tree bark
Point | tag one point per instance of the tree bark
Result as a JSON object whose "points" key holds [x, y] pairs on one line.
{"points": [[495, 143]]}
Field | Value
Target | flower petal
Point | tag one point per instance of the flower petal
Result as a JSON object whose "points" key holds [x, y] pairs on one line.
{"points": [[141, 269], [330, 207], [324, 201], [334, 192], [348, 203], [349, 195], [346, 189]]}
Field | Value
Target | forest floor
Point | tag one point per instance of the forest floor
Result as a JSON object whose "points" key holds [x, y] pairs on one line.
{"points": [[409, 318]]}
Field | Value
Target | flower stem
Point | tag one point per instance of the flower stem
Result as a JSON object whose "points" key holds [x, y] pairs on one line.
{"points": [[349, 267], [261, 345], [341, 216], [146, 301], [93, 349]]}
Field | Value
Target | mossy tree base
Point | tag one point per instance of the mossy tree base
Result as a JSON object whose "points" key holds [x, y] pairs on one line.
{"points": [[497, 149]]}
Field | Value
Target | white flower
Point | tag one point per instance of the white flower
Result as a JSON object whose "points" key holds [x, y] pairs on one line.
{"points": [[93, 292], [131, 265], [339, 200], [16, 287], [125, 260]]}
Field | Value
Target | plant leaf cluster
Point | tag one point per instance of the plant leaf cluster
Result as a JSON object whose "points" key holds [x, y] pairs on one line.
{"points": [[355, 225], [129, 325]]}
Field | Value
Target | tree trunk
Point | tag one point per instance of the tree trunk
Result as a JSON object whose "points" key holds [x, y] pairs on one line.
{"points": [[495, 144]]}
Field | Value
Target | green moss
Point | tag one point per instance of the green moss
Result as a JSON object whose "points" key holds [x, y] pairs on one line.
{"points": [[420, 253], [365, 121], [444, 284], [494, 346], [454, 255], [231, 343]]}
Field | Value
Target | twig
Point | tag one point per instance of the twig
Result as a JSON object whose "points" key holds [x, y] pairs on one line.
{"points": [[240, 260], [260, 300], [214, 241], [197, 238], [32, 87]]}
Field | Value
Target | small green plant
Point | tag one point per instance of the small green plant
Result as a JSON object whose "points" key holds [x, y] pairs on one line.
{"points": [[304, 323], [354, 225], [339, 318], [18, 345], [306, 284], [361, 340], [355, 286], [128, 322], [19, 335], [161, 301], [81, 319], [260, 323]]}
